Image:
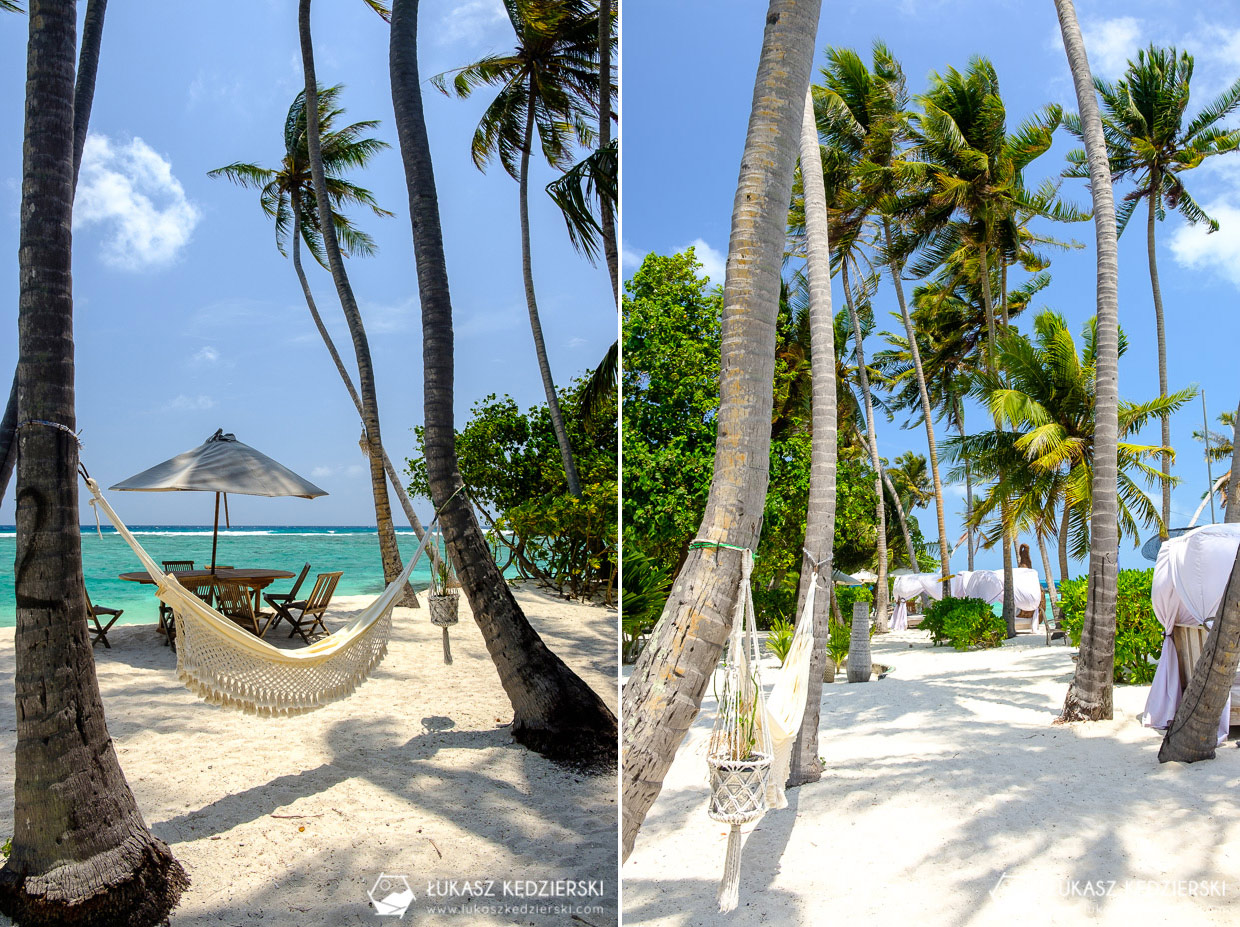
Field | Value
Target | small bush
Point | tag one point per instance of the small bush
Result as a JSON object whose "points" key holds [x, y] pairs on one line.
{"points": [[847, 595], [779, 638], [1138, 633], [966, 624], [839, 643]]}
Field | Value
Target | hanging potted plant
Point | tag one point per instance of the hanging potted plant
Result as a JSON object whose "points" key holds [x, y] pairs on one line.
{"points": [[443, 600]]}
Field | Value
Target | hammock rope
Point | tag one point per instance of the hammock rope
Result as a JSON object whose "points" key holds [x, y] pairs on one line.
{"points": [[228, 666], [750, 750]]}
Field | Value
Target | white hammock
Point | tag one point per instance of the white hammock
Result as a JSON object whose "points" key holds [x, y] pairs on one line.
{"points": [[227, 665], [785, 707]]}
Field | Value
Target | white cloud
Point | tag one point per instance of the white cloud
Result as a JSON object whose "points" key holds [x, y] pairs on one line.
{"points": [[1109, 43], [322, 473], [483, 323], [183, 403], [207, 355], [630, 258], [471, 19], [577, 342], [713, 262], [382, 319], [1196, 248], [131, 191]]}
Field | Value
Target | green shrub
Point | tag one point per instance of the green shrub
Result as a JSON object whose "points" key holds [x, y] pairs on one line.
{"points": [[1138, 634], [966, 624], [839, 643], [645, 586], [779, 638], [847, 595]]}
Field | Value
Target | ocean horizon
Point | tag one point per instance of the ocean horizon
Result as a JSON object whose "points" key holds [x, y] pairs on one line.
{"points": [[353, 549]]}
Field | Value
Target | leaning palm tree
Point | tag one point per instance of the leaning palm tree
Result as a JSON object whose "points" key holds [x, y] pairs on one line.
{"points": [[549, 89], [287, 198], [1221, 447], [1148, 143], [806, 764], [331, 238], [554, 711], [81, 852], [665, 691], [1090, 696]]}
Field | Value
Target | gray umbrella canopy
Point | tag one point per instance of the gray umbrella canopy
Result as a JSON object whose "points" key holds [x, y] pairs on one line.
{"points": [[222, 464]]}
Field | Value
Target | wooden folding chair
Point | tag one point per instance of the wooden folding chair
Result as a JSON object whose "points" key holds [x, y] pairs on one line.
{"points": [[311, 608], [234, 601], [165, 612], [276, 599], [203, 588], [100, 631]]}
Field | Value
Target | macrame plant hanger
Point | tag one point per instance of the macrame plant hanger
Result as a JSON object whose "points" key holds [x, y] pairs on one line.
{"points": [[740, 751]]}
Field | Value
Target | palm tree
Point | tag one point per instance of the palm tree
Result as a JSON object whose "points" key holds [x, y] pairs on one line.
{"points": [[83, 99], [81, 852], [1193, 733], [806, 765], [662, 696], [867, 112], [554, 711], [330, 237], [1148, 143], [549, 87], [1044, 398], [1233, 484], [287, 197], [1221, 447], [1089, 696], [969, 195]]}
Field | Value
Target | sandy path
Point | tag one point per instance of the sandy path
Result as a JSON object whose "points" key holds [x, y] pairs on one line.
{"points": [[942, 778], [291, 821]]}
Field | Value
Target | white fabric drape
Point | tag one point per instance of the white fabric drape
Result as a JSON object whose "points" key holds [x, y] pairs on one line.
{"points": [[899, 616], [786, 705], [1190, 579]]}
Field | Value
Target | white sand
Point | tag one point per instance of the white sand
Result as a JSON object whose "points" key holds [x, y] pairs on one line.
{"points": [[940, 779], [290, 822]]}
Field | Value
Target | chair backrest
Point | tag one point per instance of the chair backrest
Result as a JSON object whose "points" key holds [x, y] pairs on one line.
{"points": [[292, 593], [90, 608], [203, 587], [178, 566], [321, 595], [233, 599]]}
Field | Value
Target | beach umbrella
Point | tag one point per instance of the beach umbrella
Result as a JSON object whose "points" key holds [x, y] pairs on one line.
{"points": [[1149, 550], [866, 576], [843, 579], [221, 465]]}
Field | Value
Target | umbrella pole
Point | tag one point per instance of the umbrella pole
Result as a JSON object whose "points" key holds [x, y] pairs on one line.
{"points": [[216, 532]]}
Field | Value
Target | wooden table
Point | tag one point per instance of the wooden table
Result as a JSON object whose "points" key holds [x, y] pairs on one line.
{"points": [[253, 579]]}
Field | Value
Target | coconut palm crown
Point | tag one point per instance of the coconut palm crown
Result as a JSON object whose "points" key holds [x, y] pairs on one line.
{"points": [[288, 193]]}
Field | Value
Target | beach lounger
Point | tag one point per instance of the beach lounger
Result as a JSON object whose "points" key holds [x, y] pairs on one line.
{"points": [[234, 601], [98, 630], [1055, 629], [276, 599], [310, 610], [165, 613]]}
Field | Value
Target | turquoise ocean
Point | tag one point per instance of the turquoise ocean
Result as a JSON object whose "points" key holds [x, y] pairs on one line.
{"points": [[354, 550]]}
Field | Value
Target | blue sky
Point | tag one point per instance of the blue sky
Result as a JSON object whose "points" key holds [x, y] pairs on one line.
{"points": [[688, 79], [187, 319]]}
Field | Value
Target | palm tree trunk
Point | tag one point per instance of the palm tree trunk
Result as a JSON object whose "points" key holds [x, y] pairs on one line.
{"points": [[880, 585], [665, 691], [987, 303], [1050, 579], [820, 512], [540, 347], [1232, 515], [1089, 697], [388, 549], [401, 493], [1063, 542], [607, 219], [81, 852], [926, 414], [968, 492], [1162, 351], [83, 99], [895, 504], [1009, 589], [554, 711], [1193, 734]]}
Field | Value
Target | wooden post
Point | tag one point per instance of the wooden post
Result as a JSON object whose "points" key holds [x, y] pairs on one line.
{"points": [[859, 662]]}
